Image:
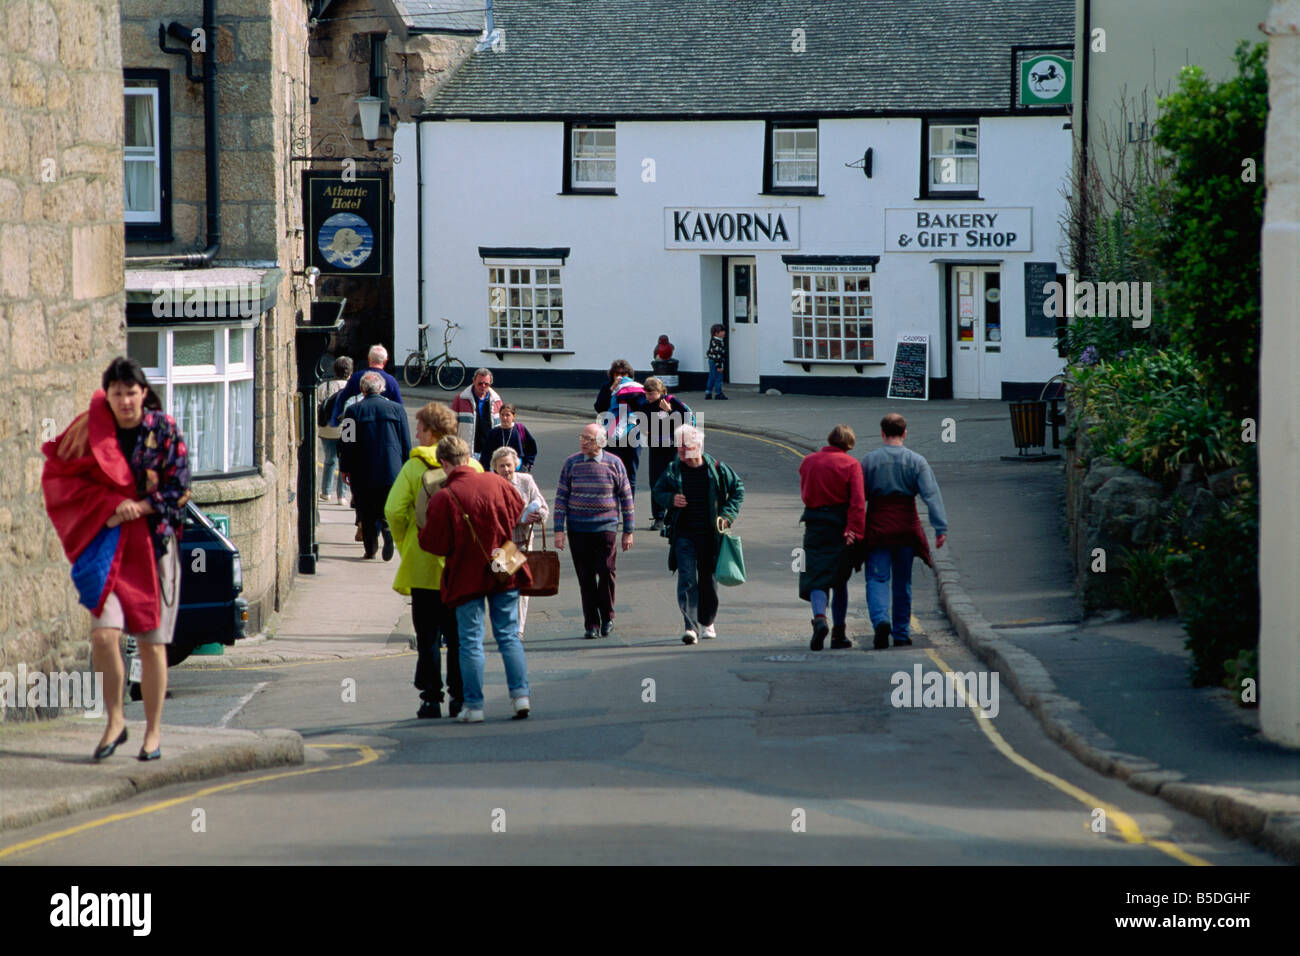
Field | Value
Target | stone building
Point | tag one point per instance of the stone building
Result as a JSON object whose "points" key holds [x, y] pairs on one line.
{"points": [[214, 279], [400, 51], [61, 322]]}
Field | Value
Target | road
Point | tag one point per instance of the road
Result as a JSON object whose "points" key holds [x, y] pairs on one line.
{"points": [[746, 749]]}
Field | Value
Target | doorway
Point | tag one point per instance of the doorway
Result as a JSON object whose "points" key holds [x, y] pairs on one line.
{"points": [[740, 305], [976, 296]]}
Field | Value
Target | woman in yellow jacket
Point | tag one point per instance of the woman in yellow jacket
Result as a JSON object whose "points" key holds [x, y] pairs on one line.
{"points": [[420, 573]]}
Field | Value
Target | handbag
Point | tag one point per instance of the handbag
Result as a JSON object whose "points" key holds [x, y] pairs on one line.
{"points": [[731, 558], [545, 567], [504, 561]]}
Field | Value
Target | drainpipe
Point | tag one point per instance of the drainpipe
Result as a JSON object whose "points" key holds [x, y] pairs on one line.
{"points": [[1082, 120], [212, 182], [419, 231]]}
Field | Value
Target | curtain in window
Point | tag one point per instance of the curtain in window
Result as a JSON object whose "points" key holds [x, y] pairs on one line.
{"points": [[140, 186], [198, 412], [241, 424]]}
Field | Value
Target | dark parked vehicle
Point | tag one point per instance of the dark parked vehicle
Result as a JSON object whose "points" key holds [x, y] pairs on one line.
{"points": [[211, 612]]}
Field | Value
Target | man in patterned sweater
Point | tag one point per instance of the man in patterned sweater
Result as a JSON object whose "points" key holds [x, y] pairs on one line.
{"points": [[593, 497]]}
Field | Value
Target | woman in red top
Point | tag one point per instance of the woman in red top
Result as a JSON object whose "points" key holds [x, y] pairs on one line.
{"points": [[116, 483], [834, 518]]}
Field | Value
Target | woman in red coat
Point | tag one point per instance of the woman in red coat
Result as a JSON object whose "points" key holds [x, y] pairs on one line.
{"points": [[116, 483]]}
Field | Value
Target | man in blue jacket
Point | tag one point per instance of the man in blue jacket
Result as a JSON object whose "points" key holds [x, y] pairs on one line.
{"points": [[377, 358], [374, 443]]}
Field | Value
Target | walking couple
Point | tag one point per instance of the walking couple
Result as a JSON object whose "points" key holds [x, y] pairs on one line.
{"points": [[865, 513]]}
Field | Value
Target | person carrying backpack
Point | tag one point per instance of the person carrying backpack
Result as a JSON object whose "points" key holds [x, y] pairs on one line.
{"points": [[329, 435], [420, 573], [663, 414]]}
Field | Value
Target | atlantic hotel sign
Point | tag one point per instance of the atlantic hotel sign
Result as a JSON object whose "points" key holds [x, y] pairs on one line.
{"points": [[725, 229]]}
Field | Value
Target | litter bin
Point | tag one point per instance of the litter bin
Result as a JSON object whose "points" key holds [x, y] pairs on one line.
{"points": [[666, 369], [1029, 425]]}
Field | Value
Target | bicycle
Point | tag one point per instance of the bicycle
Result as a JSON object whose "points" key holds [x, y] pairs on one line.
{"points": [[448, 371]]}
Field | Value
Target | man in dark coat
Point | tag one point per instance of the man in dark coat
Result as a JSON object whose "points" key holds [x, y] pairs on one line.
{"points": [[697, 493], [374, 443], [378, 358]]}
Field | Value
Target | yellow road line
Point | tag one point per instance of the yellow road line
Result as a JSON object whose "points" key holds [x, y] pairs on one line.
{"points": [[779, 444], [368, 755], [1128, 827]]}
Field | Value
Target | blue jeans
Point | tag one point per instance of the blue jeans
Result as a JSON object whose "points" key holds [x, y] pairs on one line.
{"points": [[504, 608], [714, 384], [332, 474], [881, 562], [839, 603]]}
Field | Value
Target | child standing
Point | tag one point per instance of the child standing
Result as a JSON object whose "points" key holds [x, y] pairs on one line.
{"points": [[717, 357]]}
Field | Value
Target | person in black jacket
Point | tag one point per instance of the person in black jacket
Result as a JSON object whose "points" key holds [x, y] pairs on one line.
{"points": [[374, 443], [663, 414], [510, 434]]}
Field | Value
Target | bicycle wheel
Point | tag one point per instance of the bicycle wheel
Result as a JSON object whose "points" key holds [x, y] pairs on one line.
{"points": [[451, 374], [416, 366]]}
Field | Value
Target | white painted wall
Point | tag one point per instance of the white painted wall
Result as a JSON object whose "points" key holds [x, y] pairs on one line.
{"points": [[498, 184]]}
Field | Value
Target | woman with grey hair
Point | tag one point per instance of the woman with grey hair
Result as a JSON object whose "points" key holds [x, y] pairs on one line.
{"points": [[505, 462]]}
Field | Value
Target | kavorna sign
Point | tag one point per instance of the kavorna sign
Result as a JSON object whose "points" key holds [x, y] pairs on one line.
{"points": [[989, 230]]}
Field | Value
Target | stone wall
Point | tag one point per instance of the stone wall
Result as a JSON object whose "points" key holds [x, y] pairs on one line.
{"points": [[61, 299], [1112, 507], [260, 49]]}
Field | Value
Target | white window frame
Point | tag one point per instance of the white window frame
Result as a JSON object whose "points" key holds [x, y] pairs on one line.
{"points": [[131, 154], [934, 160], [603, 153], [166, 375], [510, 321], [819, 307], [793, 154]]}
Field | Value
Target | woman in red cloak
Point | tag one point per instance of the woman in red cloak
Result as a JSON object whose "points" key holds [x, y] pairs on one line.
{"points": [[116, 483]]}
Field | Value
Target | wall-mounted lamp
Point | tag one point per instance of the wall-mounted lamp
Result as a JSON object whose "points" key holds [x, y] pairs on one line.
{"points": [[368, 107]]}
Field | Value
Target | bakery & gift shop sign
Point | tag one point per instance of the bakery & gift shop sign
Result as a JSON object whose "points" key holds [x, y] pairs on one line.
{"points": [[768, 227], [947, 230]]}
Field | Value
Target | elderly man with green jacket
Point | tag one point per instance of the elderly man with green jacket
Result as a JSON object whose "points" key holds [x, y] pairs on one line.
{"points": [[700, 495]]}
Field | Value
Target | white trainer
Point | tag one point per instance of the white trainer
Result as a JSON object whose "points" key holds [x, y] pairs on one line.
{"points": [[467, 716], [690, 637], [709, 631], [522, 706]]}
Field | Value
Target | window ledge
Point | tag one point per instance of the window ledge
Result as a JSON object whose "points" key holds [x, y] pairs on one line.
{"points": [[588, 192], [238, 486], [858, 364], [953, 195], [544, 353], [810, 191]]}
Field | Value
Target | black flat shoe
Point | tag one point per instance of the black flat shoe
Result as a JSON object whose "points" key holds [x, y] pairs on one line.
{"points": [[107, 749], [155, 754]]}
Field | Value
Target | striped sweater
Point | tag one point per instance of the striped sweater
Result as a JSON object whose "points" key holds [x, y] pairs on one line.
{"points": [[593, 494]]}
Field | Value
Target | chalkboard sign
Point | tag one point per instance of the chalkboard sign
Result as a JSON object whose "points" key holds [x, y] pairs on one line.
{"points": [[1037, 275], [910, 378]]}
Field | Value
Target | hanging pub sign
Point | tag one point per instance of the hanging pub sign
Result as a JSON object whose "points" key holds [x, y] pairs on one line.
{"points": [[1045, 80], [347, 219], [946, 229]]}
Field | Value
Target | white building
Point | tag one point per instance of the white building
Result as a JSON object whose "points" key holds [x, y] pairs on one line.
{"points": [[820, 177]]}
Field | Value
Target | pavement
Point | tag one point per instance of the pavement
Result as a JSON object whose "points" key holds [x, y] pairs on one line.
{"points": [[1111, 690]]}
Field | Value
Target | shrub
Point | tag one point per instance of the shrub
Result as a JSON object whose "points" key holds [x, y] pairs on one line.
{"points": [[1143, 591]]}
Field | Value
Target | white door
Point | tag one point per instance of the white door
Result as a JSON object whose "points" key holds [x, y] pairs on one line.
{"points": [[742, 324], [977, 332]]}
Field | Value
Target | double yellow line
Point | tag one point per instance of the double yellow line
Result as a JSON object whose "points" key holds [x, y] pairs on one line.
{"points": [[367, 755]]}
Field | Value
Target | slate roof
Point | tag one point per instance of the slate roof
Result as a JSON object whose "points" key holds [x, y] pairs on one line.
{"points": [[716, 57], [441, 16]]}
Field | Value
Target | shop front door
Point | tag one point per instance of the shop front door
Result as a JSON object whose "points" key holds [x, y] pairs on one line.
{"points": [[976, 296], [742, 320]]}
